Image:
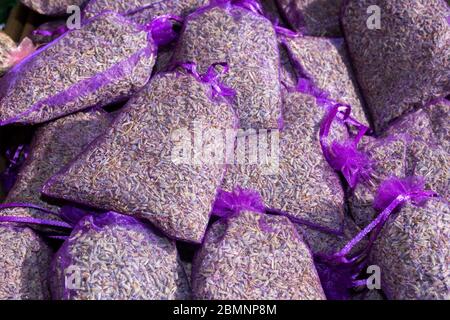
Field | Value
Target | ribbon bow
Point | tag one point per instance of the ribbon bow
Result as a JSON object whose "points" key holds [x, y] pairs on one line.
{"points": [[345, 157], [230, 204]]}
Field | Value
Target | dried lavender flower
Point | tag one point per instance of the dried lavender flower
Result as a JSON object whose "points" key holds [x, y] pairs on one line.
{"points": [[247, 42], [255, 256], [431, 123], [132, 168], [413, 254], [24, 262], [106, 60], [54, 145], [302, 185], [143, 11], [114, 257], [326, 64], [403, 63], [313, 17]]}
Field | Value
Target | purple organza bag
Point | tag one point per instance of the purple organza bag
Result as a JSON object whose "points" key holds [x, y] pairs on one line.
{"points": [[388, 156], [412, 248], [54, 145], [235, 31], [271, 11], [431, 123], [290, 170], [147, 164], [250, 255], [52, 7], [24, 263], [115, 257], [143, 11], [324, 62], [399, 66], [107, 60], [313, 17]]}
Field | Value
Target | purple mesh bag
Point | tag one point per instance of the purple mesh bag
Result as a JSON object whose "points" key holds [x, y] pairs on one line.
{"points": [[47, 32], [24, 263], [295, 178], [52, 7], [250, 255], [389, 159], [413, 254], [234, 31], [135, 169], [431, 123], [107, 60], [115, 257], [143, 11], [54, 145], [326, 65], [399, 66], [270, 10], [313, 17]]}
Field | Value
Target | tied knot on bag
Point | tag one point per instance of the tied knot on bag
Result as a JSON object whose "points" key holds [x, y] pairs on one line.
{"points": [[23, 50], [231, 204], [211, 77], [345, 157], [161, 29], [410, 188]]}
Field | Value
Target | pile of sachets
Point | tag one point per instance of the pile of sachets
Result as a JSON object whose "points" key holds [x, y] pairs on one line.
{"points": [[227, 149]]}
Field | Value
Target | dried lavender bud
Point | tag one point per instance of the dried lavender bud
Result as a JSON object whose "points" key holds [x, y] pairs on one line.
{"points": [[24, 264], [325, 63], [106, 60], [114, 257], [132, 169], [432, 163], [327, 243], [302, 184], [6, 46], [54, 145], [313, 17], [143, 11], [52, 7], [431, 123], [247, 42], [389, 159], [403, 64], [412, 252], [254, 256]]}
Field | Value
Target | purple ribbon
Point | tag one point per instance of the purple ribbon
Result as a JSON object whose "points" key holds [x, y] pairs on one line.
{"points": [[211, 77], [345, 157], [251, 5], [51, 32], [70, 214], [392, 194]]}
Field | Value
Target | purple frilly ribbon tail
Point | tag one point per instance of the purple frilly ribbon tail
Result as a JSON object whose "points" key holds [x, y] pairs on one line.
{"points": [[211, 77], [392, 194], [230, 204], [345, 157], [161, 29]]}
